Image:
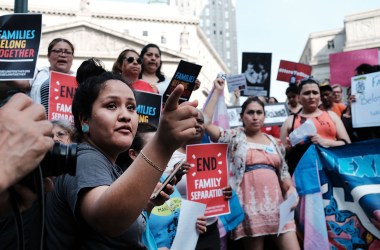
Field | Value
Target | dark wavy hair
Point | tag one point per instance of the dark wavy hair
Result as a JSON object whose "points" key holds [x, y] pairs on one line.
{"points": [[159, 74], [88, 68]]}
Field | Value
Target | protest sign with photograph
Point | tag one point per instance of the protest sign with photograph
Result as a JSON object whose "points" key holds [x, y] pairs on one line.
{"points": [[257, 70], [61, 93], [234, 116], [186, 74], [343, 64], [148, 107], [291, 72], [20, 36], [275, 114], [207, 176], [366, 111], [236, 82]]}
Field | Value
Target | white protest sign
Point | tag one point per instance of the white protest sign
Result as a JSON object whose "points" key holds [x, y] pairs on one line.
{"points": [[366, 109], [236, 82]]}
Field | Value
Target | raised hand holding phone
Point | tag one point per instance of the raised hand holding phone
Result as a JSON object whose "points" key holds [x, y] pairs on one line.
{"points": [[168, 179]]}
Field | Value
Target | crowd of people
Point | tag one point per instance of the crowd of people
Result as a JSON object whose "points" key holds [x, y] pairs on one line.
{"points": [[108, 203]]}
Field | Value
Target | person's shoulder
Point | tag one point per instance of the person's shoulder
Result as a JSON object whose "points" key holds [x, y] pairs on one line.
{"points": [[332, 114], [342, 106], [142, 85]]}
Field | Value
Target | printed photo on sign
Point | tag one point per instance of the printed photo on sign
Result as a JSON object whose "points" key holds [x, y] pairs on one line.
{"points": [[257, 70], [186, 74], [208, 176], [366, 111], [275, 114], [148, 107], [20, 36], [234, 116], [61, 93]]}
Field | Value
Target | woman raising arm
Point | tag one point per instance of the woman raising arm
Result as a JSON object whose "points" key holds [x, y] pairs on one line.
{"points": [[258, 173]]}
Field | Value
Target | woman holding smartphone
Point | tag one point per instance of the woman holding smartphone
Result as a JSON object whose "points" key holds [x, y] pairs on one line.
{"points": [[101, 207]]}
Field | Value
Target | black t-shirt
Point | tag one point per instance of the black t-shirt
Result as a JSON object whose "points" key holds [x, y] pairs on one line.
{"points": [[65, 228]]}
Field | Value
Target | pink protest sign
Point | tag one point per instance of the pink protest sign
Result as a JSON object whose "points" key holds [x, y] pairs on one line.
{"points": [[343, 64]]}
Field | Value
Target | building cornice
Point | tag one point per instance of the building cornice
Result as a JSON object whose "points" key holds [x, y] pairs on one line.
{"points": [[362, 15], [41, 10], [144, 18]]}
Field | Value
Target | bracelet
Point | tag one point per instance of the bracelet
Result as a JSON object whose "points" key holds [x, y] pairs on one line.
{"points": [[150, 162], [343, 140]]}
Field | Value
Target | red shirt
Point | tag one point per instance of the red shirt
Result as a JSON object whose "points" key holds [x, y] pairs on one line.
{"points": [[143, 86], [272, 130]]}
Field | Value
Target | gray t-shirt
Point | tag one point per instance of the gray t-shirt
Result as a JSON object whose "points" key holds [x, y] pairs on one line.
{"points": [[65, 227]]}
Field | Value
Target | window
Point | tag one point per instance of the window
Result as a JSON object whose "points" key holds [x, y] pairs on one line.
{"points": [[220, 32], [163, 39], [214, 32], [145, 33], [226, 25], [330, 44]]}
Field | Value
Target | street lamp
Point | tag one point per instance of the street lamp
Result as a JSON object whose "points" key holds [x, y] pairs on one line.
{"points": [[21, 6]]}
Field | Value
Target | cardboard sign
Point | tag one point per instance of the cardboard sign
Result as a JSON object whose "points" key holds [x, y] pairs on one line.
{"points": [[366, 111], [148, 107], [186, 74], [257, 70], [236, 82], [61, 94], [207, 176], [234, 116], [20, 36], [275, 114], [292, 72], [343, 64]]}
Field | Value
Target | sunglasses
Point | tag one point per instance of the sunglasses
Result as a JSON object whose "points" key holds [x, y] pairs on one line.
{"points": [[131, 59]]}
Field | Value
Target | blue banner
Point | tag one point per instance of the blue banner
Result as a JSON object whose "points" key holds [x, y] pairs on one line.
{"points": [[348, 177]]}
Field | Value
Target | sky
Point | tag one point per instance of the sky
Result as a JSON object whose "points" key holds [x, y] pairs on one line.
{"points": [[282, 27]]}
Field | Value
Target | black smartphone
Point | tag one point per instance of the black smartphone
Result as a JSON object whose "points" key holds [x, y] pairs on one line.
{"points": [[168, 179]]}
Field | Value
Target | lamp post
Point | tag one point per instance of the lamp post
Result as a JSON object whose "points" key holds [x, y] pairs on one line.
{"points": [[21, 6]]}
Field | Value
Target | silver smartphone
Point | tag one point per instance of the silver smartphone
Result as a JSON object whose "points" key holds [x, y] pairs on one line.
{"points": [[168, 179]]}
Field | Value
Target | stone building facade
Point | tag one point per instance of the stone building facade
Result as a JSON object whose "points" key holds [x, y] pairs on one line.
{"points": [[360, 31]]}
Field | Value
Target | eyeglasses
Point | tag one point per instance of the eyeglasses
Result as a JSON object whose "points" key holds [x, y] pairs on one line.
{"points": [[131, 59], [61, 51]]}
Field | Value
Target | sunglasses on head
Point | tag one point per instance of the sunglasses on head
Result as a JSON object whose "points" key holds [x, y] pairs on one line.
{"points": [[131, 59], [309, 79]]}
